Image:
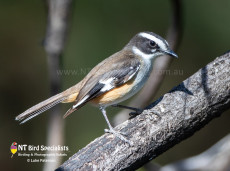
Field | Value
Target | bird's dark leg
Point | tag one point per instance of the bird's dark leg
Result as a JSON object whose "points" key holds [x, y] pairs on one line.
{"points": [[137, 110], [111, 129]]}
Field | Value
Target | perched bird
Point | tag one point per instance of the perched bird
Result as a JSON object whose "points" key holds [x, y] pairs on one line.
{"points": [[112, 81]]}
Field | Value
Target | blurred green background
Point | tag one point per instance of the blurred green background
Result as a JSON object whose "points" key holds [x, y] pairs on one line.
{"points": [[98, 29]]}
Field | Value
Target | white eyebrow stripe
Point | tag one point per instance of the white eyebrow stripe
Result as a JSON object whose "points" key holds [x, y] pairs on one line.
{"points": [[153, 38]]}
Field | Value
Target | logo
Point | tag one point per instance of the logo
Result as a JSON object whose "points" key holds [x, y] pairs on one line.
{"points": [[38, 153], [13, 148]]}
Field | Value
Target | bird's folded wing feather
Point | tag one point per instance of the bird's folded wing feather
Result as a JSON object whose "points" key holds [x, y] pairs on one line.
{"points": [[119, 73]]}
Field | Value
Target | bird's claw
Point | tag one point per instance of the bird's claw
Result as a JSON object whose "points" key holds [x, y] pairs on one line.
{"points": [[135, 113], [119, 135]]}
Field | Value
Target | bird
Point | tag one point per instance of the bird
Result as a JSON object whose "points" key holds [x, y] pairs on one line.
{"points": [[112, 81]]}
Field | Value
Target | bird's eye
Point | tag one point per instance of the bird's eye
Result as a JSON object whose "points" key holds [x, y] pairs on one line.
{"points": [[152, 43]]}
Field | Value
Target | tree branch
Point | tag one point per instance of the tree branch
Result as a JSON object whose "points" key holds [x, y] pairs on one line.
{"points": [[183, 111], [215, 158]]}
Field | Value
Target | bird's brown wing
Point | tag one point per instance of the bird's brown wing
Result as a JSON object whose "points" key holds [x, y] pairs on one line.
{"points": [[118, 73]]}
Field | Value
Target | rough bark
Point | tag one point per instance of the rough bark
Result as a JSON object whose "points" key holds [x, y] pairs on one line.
{"points": [[183, 111]]}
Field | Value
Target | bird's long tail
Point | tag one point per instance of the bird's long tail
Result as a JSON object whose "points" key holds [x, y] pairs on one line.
{"points": [[64, 97]]}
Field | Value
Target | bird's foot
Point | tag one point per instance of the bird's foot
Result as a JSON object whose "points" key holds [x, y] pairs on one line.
{"points": [[119, 135], [135, 113]]}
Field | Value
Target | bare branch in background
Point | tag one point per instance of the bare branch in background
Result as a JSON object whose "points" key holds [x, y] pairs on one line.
{"points": [[215, 158], [57, 24], [175, 30], [183, 111], [174, 35], [161, 64]]}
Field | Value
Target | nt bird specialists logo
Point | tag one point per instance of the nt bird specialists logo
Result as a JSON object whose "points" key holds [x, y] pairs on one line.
{"points": [[13, 148]]}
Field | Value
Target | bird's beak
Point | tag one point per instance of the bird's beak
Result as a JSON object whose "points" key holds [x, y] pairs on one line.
{"points": [[171, 53]]}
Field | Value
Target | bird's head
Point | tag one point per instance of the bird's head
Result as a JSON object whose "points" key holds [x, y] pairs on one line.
{"points": [[149, 45]]}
